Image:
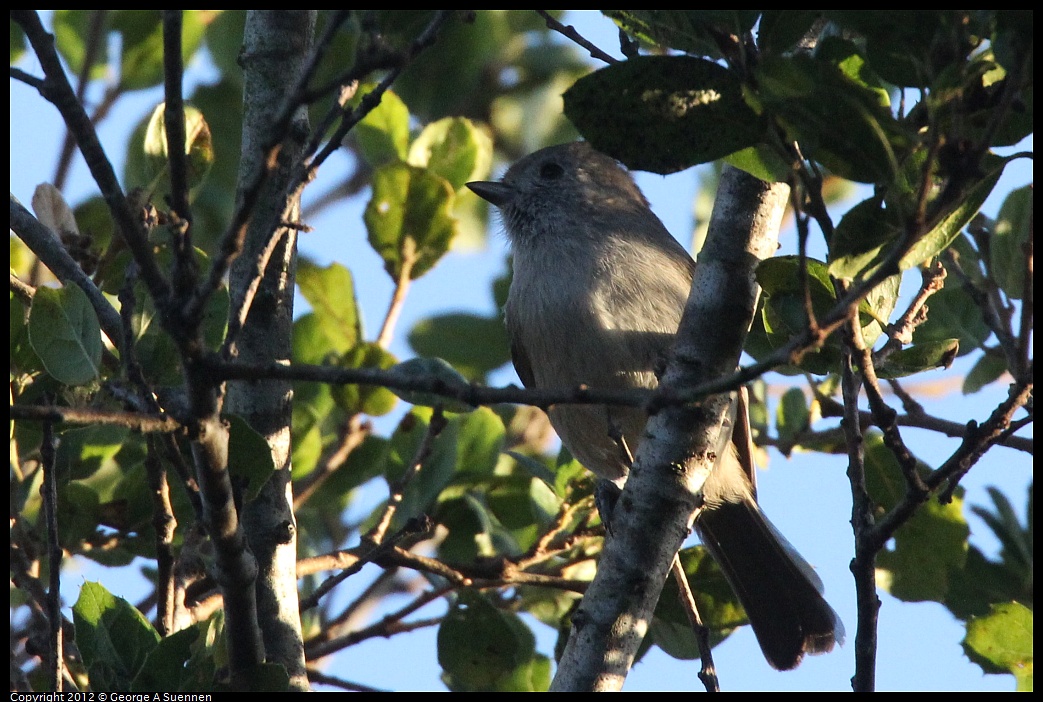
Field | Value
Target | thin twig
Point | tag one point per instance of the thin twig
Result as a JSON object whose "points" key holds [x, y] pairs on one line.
{"points": [[352, 436], [398, 488], [56, 664], [863, 564], [388, 626], [412, 528], [398, 298], [165, 524], [570, 32], [95, 40], [708, 671], [901, 331]]}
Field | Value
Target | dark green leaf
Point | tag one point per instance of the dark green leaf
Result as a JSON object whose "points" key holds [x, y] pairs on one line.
{"points": [[141, 60], [434, 369], [862, 239], [947, 226], [918, 358], [482, 648], [249, 457], [1016, 538], [165, 668], [473, 532], [373, 400], [112, 636], [718, 606], [663, 113], [473, 345], [1010, 237], [982, 583], [17, 43], [437, 470], [93, 219], [71, 29], [953, 315], [692, 31], [928, 547], [65, 334], [780, 30], [784, 314], [989, 368], [792, 416], [480, 442], [409, 218], [841, 121]]}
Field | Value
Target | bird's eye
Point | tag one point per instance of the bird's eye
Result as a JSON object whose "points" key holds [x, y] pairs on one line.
{"points": [[551, 171]]}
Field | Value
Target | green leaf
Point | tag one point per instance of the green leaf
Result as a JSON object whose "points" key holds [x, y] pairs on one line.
{"points": [[1010, 236], [65, 334], [989, 368], [761, 162], [438, 370], [929, 547], [718, 606], [473, 532], [841, 121], [480, 442], [141, 31], [330, 291], [780, 30], [482, 648], [954, 315], [691, 31], [663, 113], [409, 218], [792, 416], [862, 238], [947, 226], [249, 456], [198, 147], [373, 400], [165, 667], [784, 313], [523, 504], [1002, 642], [473, 345], [918, 358], [17, 43], [383, 134], [454, 148], [71, 29], [437, 470], [1016, 538], [112, 636]]}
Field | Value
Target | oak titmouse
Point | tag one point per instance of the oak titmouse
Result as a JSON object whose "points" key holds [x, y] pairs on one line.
{"points": [[598, 290]]}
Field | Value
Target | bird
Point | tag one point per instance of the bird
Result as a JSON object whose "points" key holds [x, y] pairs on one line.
{"points": [[598, 289]]}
